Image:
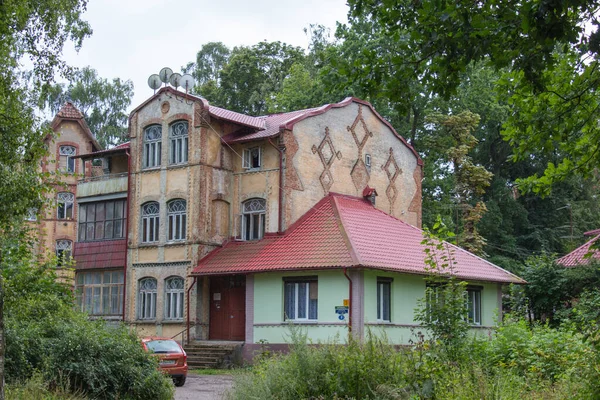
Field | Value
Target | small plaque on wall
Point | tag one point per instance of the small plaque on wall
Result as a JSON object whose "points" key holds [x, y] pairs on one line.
{"points": [[217, 296]]}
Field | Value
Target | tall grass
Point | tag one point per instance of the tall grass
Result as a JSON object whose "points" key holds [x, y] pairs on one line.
{"points": [[375, 369]]}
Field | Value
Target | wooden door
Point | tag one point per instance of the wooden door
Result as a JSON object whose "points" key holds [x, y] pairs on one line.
{"points": [[227, 308]]}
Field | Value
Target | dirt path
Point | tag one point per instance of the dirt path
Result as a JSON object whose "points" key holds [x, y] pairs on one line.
{"points": [[204, 387]]}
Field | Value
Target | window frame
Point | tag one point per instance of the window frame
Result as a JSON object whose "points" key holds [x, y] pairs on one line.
{"points": [[67, 206], [150, 223], [248, 159], [105, 289], [176, 219], [178, 143], [147, 298], [152, 151], [84, 223], [311, 292], [248, 219], [473, 296], [68, 151], [174, 309], [384, 284], [64, 251]]}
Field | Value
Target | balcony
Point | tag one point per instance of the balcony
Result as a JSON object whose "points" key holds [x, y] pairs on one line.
{"points": [[102, 185]]}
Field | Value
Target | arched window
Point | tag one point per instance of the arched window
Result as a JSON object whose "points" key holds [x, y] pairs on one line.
{"points": [[64, 249], [174, 287], [65, 202], [150, 222], [66, 160], [147, 298], [177, 220], [152, 146], [253, 219], [178, 143]]}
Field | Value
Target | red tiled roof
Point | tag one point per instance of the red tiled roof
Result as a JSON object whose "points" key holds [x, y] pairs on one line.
{"points": [[69, 111], [592, 232], [104, 254], [344, 231], [117, 149], [577, 256], [243, 119]]}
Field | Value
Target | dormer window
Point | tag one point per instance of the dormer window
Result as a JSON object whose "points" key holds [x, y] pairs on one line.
{"points": [[67, 162], [252, 158], [152, 146]]}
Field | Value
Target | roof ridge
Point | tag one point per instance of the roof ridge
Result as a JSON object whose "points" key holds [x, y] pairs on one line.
{"points": [[354, 254]]}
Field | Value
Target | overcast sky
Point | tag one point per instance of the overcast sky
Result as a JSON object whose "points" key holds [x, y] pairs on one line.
{"points": [[133, 39]]}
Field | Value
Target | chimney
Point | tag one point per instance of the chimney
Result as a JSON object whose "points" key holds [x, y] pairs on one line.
{"points": [[370, 193]]}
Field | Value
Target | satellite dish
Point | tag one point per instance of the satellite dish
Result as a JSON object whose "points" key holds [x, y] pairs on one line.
{"points": [[187, 81], [154, 81], [165, 74], [175, 80]]}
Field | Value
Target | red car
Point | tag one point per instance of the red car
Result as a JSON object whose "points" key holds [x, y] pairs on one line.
{"points": [[173, 360]]}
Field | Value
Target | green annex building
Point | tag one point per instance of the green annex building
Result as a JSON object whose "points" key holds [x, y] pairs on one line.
{"points": [[343, 264]]}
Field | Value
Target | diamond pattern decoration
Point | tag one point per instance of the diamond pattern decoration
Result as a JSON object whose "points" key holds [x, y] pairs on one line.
{"points": [[353, 129], [360, 175], [327, 154], [392, 170]]}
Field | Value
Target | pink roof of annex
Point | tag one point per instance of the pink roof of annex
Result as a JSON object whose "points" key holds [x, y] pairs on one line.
{"points": [[578, 256], [344, 231]]}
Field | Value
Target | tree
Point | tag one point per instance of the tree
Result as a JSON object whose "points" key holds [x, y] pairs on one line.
{"points": [[209, 62], [551, 58], [37, 31], [103, 103]]}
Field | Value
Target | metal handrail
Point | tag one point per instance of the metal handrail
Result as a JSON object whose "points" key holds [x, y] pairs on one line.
{"points": [[182, 333], [102, 177]]}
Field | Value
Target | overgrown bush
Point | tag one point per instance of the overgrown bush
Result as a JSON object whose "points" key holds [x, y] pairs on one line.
{"points": [[47, 339]]}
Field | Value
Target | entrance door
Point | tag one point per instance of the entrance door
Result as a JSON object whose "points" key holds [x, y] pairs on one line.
{"points": [[227, 308]]}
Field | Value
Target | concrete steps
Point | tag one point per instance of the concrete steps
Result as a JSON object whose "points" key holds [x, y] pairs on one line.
{"points": [[208, 354]]}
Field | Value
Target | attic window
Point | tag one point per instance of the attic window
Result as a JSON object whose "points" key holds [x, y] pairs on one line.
{"points": [[67, 162], [252, 158], [368, 161]]}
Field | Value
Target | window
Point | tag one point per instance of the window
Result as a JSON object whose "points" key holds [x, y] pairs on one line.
{"points": [[147, 299], [301, 299], [150, 221], [383, 299], [31, 214], [474, 305], [174, 287], [252, 158], [65, 202], [102, 221], [178, 134], [368, 160], [177, 220], [152, 146], [66, 160], [100, 293], [64, 249], [253, 219]]}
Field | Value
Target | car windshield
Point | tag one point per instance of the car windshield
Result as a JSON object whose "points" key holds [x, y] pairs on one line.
{"points": [[163, 346]]}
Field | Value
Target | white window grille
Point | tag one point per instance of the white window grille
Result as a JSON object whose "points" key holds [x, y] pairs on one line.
{"points": [[67, 162], [177, 220], [253, 219], [65, 202], [301, 299], [473, 306], [174, 288], [100, 293], [64, 249], [178, 153], [147, 298], [252, 158], [368, 160], [150, 222], [383, 300], [152, 146]]}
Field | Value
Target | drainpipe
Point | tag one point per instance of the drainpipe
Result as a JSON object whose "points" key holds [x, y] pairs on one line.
{"points": [[349, 300], [187, 326], [280, 221], [127, 230]]}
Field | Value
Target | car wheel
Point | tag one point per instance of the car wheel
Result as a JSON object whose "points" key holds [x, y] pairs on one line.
{"points": [[179, 381]]}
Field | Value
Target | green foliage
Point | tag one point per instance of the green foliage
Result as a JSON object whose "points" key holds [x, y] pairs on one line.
{"points": [[442, 310], [47, 339], [103, 103], [546, 286], [374, 369]]}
